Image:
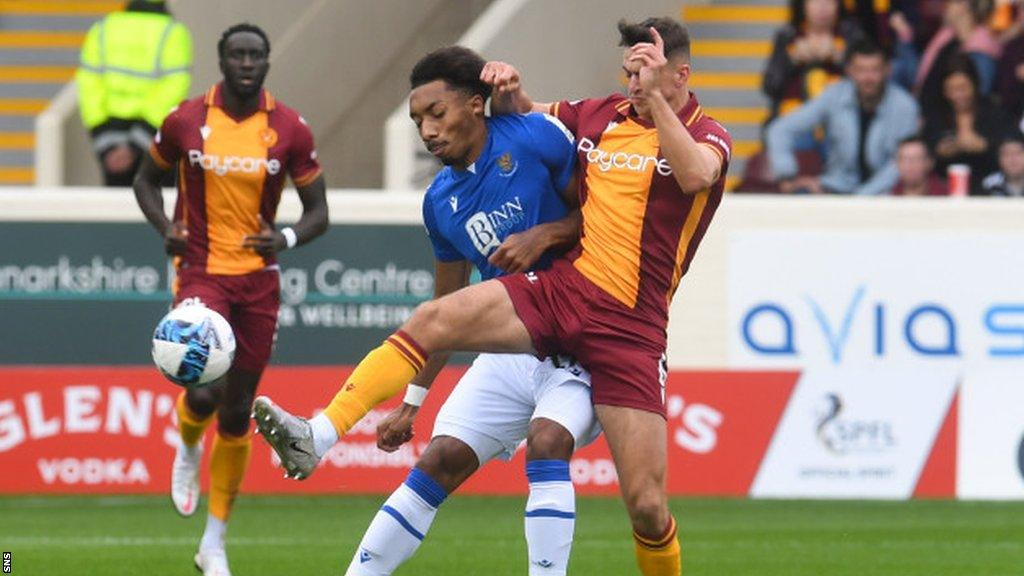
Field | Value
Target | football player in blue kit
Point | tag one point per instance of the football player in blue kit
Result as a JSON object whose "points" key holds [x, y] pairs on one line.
{"points": [[499, 204]]}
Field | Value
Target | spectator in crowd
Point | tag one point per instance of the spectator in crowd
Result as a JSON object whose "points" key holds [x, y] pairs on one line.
{"points": [[865, 117], [1010, 79], [964, 32], [966, 127], [1009, 180], [914, 163], [807, 54], [135, 67], [872, 16]]}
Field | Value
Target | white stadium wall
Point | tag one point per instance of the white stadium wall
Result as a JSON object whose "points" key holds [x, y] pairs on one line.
{"points": [[819, 347]]}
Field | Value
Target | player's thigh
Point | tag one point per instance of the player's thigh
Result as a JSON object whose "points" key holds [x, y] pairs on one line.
{"points": [[254, 312], [196, 287], [491, 406], [480, 318]]}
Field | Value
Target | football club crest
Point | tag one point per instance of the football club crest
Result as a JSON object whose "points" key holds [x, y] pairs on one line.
{"points": [[268, 137], [507, 165]]}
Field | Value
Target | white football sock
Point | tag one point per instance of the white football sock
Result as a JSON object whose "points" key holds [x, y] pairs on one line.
{"points": [[550, 517], [399, 527], [324, 434], [213, 536]]}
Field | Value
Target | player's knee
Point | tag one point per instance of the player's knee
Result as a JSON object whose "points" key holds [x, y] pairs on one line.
{"points": [[448, 461], [648, 508], [548, 440], [204, 401], [427, 325], [234, 419]]}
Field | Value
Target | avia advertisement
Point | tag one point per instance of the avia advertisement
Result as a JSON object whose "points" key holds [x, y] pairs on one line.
{"points": [[911, 350]]}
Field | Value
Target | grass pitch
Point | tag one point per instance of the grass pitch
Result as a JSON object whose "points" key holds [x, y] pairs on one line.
{"points": [[477, 535]]}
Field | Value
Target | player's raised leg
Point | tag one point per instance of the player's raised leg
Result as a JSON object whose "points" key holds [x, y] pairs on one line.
{"points": [[642, 482], [477, 318]]}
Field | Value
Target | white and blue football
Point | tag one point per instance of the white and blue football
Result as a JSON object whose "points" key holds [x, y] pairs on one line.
{"points": [[193, 345]]}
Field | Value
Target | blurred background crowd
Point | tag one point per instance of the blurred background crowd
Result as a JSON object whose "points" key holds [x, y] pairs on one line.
{"points": [[915, 97]]}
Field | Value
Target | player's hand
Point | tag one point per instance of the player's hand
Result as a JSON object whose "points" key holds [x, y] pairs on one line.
{"points": [[396, 428], [268, 242], [501, 76], [519, 252], [652, 61], [176, 238]]}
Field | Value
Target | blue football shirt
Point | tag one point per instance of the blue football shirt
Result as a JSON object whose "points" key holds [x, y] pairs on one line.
{"points": [[515, 184]]}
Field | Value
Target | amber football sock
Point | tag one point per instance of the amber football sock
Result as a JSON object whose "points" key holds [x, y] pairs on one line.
{"points": [[229, 460], [659, 557], [190, 426], [384, 372]]}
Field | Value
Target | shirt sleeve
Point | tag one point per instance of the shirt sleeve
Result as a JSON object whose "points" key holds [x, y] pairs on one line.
{"points": [[713, 135], [556, 146], [166, 146], [568, 111], [443, 249], [303, 165]]}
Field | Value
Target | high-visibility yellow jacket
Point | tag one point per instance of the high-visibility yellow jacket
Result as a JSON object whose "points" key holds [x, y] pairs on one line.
{"points": [[135, 66]]}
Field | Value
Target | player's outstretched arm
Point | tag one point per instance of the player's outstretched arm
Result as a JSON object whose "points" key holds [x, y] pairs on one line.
{"points": [[150, 198], [507, 94], [396, 428]]}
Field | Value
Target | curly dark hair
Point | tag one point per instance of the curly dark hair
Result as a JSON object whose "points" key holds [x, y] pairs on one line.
{"points": [[242, 27], [458, 66]]}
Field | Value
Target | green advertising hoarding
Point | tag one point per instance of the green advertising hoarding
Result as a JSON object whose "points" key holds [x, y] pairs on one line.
{"points": [[92, 293]]}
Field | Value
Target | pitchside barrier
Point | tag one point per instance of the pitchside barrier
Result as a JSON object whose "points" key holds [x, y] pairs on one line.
{"points": [[819, 347]]}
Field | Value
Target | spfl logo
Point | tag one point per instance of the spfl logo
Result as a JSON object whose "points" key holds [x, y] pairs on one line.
{"points": [[843, 435], [507, 165]]}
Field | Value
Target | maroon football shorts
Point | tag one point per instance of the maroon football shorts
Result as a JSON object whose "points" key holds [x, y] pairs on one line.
{"points": [[249, 302], [567, 314]]}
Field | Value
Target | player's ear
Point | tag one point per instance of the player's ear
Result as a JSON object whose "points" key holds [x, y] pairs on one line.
{"points": [[682, 75], [477, 104]]}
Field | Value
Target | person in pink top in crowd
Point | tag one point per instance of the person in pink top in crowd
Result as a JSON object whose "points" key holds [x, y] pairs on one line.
{"points": [[964, 31]]}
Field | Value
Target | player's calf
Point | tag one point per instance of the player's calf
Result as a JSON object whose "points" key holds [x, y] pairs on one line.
{"points": [[550, 517]]}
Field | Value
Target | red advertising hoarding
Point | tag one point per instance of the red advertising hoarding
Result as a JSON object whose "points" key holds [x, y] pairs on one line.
{"points": [[111, 430]]}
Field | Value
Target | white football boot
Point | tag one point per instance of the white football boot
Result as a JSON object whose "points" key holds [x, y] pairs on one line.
{"points": [[212, 562], [185, 479], [290, 436]]}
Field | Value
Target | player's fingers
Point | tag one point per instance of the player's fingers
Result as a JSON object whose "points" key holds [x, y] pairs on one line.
{"points": [[657, 38]]}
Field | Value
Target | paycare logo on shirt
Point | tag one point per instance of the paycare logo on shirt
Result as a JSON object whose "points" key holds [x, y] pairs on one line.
{"points": [[221, 165], [621, 160]]}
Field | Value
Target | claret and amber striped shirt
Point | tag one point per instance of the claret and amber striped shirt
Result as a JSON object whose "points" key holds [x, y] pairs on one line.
{"points": [[229, 171], [640, 231]]}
